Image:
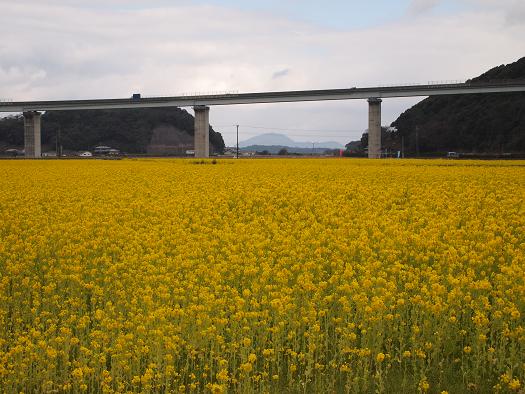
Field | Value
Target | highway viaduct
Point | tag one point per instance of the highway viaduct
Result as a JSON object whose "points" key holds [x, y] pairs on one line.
{"points": [[202, 104]]}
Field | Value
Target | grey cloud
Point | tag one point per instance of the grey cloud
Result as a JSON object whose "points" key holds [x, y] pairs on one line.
{"points": [[514, 10], [281, 73], [517, 17], [422, 6]]}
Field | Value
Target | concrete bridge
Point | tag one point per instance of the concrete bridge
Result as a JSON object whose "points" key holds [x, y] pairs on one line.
{"points": [[202, 103]]}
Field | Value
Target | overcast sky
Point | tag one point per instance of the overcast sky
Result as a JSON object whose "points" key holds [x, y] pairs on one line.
{"points": [[58, 49]]}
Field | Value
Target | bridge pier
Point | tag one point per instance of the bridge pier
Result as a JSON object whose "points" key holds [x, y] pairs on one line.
{"points": [[202, 131], [374, 128], [32, 139]]}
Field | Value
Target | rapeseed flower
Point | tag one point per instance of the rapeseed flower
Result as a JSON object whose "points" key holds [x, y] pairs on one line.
{"points": [[261, 275]]}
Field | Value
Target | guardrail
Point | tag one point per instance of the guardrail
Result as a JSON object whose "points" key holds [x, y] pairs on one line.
{"points": [[428, 83], [194, 94]]}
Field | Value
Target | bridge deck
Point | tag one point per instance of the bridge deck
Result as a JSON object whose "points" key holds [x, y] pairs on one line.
{"points": [[269, 97]]}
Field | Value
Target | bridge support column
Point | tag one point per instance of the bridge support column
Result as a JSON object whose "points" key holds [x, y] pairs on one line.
{"points": [[202, 131], [32, 140], [374, 128]]}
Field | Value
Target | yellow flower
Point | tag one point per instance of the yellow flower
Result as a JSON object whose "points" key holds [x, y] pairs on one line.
{"points": [[217, 389], [222, 376], [246, 367], [424, 385], [514, 384], [77, 373], [267, 352]]}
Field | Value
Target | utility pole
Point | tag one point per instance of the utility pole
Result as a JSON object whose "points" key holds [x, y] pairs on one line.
{"points": [[58, 148], [237, 141], [417, 141], [313, 148]]}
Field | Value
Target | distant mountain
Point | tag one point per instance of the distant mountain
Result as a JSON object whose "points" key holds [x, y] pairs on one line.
{"points": [[274, 139], [275, 149]]}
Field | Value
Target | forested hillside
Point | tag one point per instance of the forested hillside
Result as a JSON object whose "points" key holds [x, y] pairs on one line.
{"points": [[491, 123], [129, 130]]}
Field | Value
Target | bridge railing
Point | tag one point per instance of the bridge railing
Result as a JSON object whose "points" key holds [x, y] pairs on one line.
{"points": [[497, 81], [454, 83], [447, 82], [194, 94], [429, 83]]}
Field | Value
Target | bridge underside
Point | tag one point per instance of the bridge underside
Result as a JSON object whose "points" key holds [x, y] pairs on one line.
{"points": [[32, 131]]}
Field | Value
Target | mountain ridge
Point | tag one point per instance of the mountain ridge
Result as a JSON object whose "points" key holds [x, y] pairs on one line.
{"points": [[281, 140], [470, 123]]}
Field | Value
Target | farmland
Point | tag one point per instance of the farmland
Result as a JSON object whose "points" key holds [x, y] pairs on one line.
{"points": [[262, 276]]}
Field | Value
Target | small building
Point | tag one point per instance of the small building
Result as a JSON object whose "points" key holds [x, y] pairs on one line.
{"points": [[102, 150], [231, 151], [14, 152]]}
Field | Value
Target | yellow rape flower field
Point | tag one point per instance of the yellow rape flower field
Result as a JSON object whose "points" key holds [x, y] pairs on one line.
{"points": [[262, 276]]}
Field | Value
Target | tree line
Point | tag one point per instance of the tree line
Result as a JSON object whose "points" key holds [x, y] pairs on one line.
{"points": [[129, 130]]}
